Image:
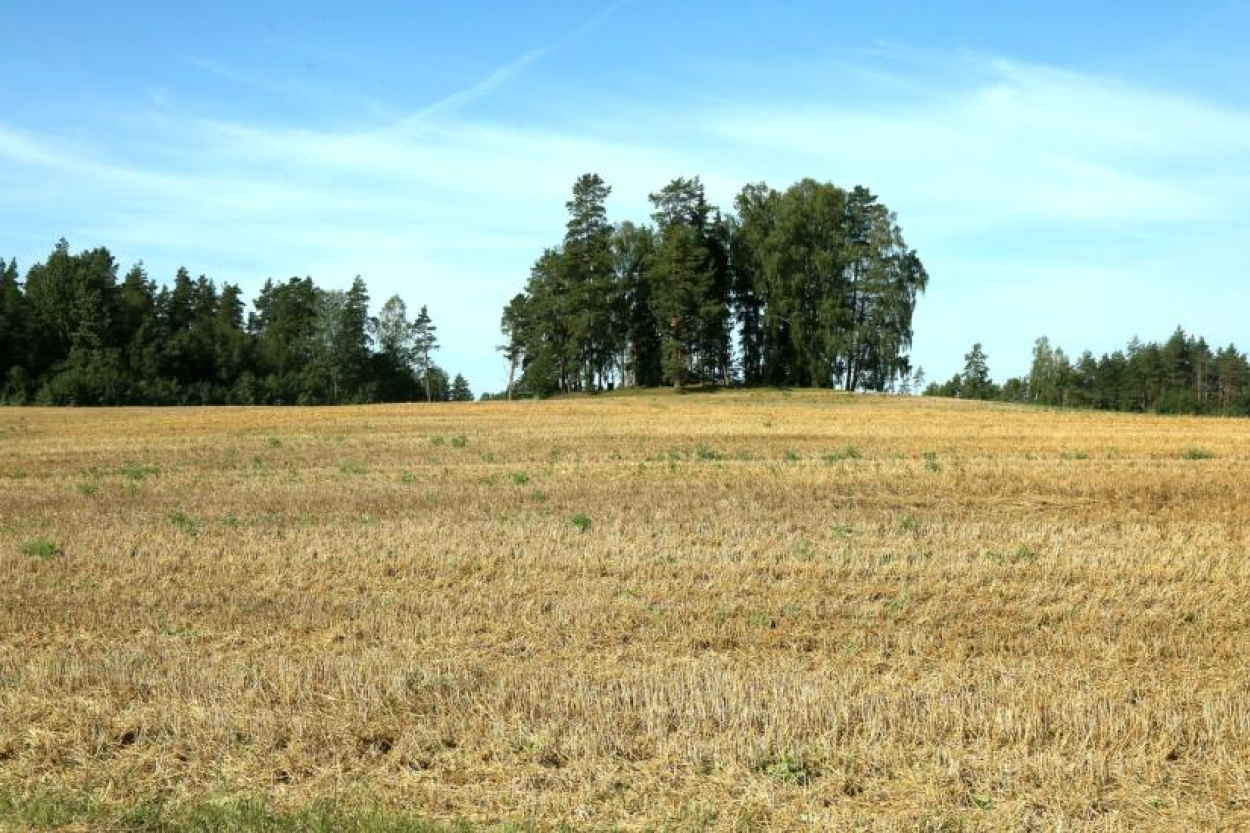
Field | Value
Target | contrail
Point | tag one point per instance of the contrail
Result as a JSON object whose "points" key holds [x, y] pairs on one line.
{"points": [[501, 76]]}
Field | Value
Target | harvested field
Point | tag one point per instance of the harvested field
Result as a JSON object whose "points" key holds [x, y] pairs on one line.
{"points": [[739, 610]]}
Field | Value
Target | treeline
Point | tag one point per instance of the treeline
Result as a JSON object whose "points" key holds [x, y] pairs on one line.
{"points": [[72, 334], [1183, 375], [811, 287]]}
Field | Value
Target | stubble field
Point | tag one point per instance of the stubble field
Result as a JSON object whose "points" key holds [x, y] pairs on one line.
{"points": [[741, 610]]}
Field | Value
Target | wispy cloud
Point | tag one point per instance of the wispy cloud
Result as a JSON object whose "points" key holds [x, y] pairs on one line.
{"points": [[1011, 142]]}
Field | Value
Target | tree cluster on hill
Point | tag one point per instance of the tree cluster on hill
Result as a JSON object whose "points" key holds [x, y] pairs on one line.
{"points": [[71, 334], [1183, 375], [813, 286]]}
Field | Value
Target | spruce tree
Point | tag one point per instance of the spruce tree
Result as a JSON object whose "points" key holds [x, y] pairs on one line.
{"points": [[460, 391]]}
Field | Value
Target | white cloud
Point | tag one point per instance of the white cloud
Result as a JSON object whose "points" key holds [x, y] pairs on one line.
{"points": [[1016, 143]]}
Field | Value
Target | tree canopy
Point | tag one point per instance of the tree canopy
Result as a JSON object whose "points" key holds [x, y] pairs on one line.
{"points": [[1182, 375], [812, 286], [72, 334]]}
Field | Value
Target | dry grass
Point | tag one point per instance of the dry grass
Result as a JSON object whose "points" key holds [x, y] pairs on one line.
{"points": [[780, 611]]}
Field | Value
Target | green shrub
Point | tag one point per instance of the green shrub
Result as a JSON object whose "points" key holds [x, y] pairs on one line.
{"points": [[41, 548], [787, 768], [185, 522], [848, 452], [704, 452], [136, 472], [1023, 554]]}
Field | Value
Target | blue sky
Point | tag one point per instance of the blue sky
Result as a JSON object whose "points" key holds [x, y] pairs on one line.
{"points": [[1075, 172]]}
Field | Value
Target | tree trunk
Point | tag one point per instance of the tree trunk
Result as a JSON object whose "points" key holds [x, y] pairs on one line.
{"points": [[426, 361]]}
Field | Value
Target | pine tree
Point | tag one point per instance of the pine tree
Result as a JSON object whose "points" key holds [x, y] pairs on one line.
{"points": [[284, 327], [686, 304], [633, 248], [974, 382], [551, 352], [587, 269], [425, 342], [460, 391], [229, 342]]}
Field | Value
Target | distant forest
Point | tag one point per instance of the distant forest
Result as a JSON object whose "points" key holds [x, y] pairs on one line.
{"points": [[813, 286], [1183, 375], [810, 287], [73, 335]]}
